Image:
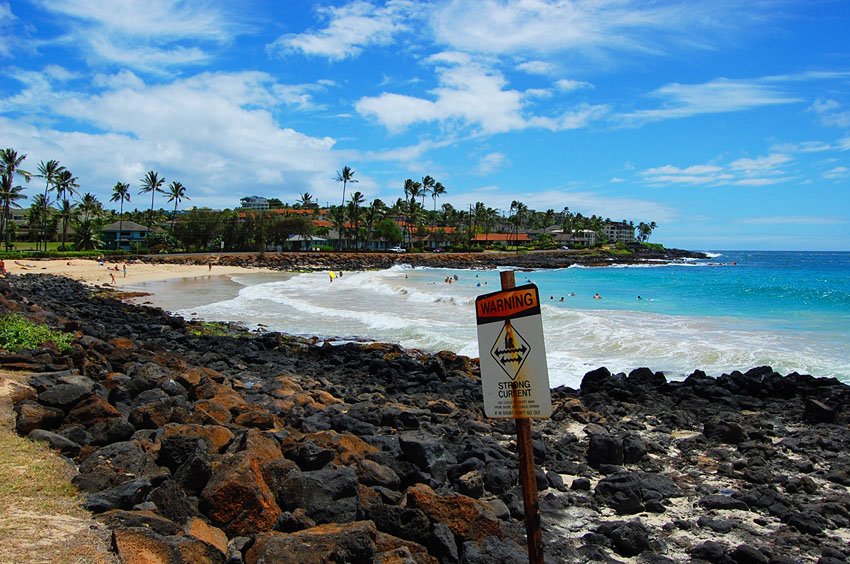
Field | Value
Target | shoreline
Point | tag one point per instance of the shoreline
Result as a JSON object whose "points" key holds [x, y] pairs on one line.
{"points": [[91, 273], [747, 467]]}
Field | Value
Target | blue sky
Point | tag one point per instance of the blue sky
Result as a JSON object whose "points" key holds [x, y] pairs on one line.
{"points": [[726, 122]]}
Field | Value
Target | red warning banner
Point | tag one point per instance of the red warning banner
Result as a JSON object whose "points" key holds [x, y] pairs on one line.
{"points": [[507, 304]]}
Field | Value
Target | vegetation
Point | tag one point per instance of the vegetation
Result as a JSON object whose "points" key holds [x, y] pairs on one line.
{"points": [[355, 224], [17, 334]]}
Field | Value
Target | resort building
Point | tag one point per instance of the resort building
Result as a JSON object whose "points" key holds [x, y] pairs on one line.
{"points": [[619, 232], [126, 235], [254, 203], [577, 238], [504, 238]]}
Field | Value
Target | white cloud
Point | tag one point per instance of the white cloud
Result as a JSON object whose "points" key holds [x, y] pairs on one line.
{"points": [[468, 93], [829, 112], [577, 118], [767, 165], [616, 180], [216, 131], [489, 163], [350, 29], [717, 96], [570, 85], [7, 19], [474, 95], [837, 172], [592, 30], [693, 175], [761, 171], [149, 35], [802, 147], [537, 67]]}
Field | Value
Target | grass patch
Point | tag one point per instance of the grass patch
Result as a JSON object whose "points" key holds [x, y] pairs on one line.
{"points": [[212, 329], [40, 515], [17, 333]]}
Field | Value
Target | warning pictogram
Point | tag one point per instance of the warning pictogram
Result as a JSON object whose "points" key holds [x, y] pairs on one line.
{"points": [[510, 350]]}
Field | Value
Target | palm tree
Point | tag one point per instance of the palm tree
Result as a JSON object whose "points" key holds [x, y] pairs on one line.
{"points": [[436, 191], [86, 236], [10, 167], [66, 187], [176, 193], [374, 213], [67, 210], [356, 200], [345, 176], [427, 186], [151, 183], [412, 189], [305, 200], [120, 193], [49, 171], [9, 200], [90, 207]]}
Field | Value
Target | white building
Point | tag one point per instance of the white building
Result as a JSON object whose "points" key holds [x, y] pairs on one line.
{"points": [[254, 203], [619, 231]]}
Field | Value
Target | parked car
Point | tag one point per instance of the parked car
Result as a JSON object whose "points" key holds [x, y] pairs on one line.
{"points": [[437, 250], [397, 250]]}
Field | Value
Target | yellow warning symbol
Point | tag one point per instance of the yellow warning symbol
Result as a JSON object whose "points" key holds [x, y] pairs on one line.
{"points": [[510, 350]]}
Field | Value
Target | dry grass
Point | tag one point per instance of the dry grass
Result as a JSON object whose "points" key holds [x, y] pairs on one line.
{"points": [[40, 515]]}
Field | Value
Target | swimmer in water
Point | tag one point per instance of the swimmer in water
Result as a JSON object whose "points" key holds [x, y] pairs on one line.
{"points": [[597, 297]]}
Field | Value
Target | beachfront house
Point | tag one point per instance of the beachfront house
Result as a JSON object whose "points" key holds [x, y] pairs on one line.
{"points": [[254, 203], [488, 239], [619, 232], [125, 235], [576, 238]]}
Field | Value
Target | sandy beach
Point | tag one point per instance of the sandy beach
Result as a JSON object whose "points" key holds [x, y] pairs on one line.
{"points": [[92, 273]]}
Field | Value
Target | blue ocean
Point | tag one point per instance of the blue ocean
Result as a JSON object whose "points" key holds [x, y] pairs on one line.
{"points": [[734, 311]]}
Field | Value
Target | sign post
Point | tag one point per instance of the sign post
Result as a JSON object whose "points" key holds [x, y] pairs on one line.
{"points": [[515, 380]]}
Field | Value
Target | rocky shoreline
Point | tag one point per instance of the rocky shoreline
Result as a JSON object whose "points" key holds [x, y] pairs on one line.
{"points": [[293, 261], [261, 447]]}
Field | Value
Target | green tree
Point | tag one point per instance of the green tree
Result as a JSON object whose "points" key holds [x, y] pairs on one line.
{"points": [[49, 171], [200, 228], [436, 191], [346, 176], [120, 193], [10, 169], [176, 193], [357, 200], [412, 190], [66, 188], [90, 208], [388, 231], [86, 236], [645, 230], [67, 211], [152, 184]]}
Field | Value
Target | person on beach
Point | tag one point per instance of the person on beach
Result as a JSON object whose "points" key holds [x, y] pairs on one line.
{"points": [[209, 266], [2, 267], [112, 275], [125, 270]]}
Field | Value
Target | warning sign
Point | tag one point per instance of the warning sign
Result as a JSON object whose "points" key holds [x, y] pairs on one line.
{"points": [[514, 374]]}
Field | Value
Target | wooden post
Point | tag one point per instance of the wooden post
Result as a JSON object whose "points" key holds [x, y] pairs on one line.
{"points": [[527, 476]]}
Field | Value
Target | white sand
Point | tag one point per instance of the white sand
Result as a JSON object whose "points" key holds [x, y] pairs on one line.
{"points": [[91, 273]]}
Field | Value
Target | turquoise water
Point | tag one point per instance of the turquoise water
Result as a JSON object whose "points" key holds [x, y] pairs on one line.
{"points": [[773, 290], [789, 310]]}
